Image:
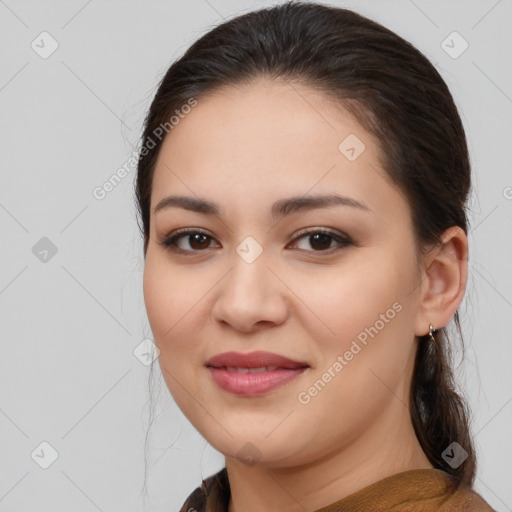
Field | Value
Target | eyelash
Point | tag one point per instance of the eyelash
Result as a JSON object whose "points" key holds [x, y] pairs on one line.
{"points": [[169, 241]]}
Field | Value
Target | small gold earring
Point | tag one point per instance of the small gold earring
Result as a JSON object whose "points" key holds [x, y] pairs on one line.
{"points": [[432, 330]]}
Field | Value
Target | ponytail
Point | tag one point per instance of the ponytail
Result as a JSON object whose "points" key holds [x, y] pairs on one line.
{"points": [[439, 414]]}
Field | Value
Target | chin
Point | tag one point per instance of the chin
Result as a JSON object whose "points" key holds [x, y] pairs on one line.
{"points": [[252, 447]]}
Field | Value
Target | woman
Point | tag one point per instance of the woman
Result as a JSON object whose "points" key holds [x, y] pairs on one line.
{"points": [[302, 189]]}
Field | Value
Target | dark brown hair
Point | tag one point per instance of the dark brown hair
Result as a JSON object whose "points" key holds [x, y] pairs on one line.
{"points": [[396, 94]]}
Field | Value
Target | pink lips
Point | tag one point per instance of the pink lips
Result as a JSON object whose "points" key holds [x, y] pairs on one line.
{"points": [[253, 373]]}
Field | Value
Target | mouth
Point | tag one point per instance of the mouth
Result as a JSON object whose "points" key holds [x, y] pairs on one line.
{"points": [[254, 360], [239, 369], [253, 374]]}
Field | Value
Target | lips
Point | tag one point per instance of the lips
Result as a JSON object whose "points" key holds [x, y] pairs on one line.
{"points": [[253, 374], [260, 359]]}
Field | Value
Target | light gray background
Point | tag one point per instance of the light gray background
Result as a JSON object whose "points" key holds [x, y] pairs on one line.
{"points": [[70, 325]]}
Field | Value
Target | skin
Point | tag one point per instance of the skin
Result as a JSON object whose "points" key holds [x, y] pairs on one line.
{"points": [[245, 148]]}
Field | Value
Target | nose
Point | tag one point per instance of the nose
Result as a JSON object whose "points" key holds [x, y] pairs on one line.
{"points": [[250, 297]]}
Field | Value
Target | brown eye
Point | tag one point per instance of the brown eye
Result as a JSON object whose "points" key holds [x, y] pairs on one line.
{"points": [[187, 241], [198, 241], [321, 240]]}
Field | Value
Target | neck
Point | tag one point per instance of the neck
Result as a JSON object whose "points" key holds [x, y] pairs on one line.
{"points": [[383, 450]]}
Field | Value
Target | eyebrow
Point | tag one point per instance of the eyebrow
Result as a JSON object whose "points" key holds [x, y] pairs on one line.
{"points": [[282, 207]]}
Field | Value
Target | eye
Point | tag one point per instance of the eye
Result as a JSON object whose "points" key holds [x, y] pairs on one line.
{"points": [[321, 240], [196, 240]]}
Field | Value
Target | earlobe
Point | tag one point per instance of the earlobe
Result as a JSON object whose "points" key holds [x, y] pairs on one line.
{"points": [[445, 281]]}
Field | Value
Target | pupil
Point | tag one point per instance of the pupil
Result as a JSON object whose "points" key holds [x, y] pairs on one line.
{"points": [[323, 237], [321, 240], [199, 238]]}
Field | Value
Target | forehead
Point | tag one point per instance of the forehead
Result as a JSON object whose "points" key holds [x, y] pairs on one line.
{"points": [[268, 140]]}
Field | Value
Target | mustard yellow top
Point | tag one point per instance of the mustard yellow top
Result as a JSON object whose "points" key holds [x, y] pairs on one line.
{"points": [[417, 490]]}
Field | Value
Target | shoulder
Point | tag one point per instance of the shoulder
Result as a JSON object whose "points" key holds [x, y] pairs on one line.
{"points": [[196, 502], [466, 499], [471, 501], [211, 496]]}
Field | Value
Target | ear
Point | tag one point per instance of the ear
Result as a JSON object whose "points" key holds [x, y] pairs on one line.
{"points": [[443, 282]]}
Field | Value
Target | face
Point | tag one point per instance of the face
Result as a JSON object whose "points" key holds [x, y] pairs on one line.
{"points": [[330, 285]]}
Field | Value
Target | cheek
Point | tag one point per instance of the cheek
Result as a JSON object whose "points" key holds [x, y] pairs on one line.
{"points": [[368, 309], [159, 299], [170, 306], [367, 312], [176, 300], [168, 295], [169, 309], [352, 298]]}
